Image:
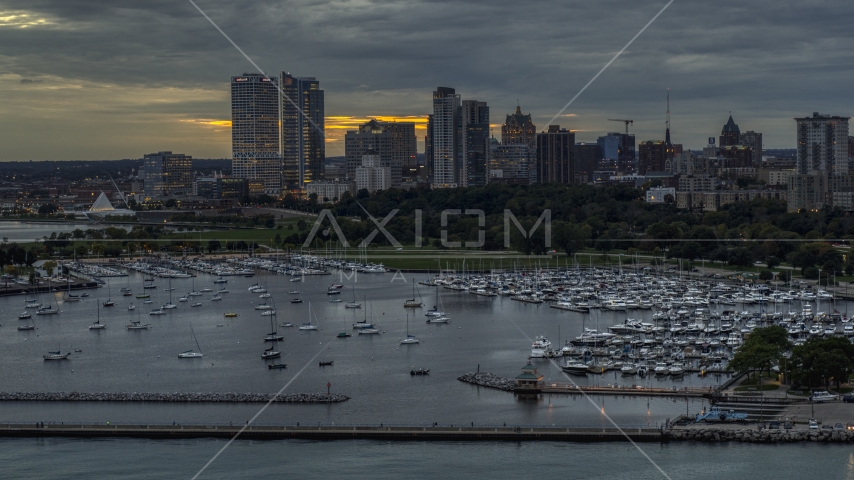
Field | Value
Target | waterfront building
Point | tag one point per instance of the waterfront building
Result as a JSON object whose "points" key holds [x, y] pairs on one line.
{"points": [[302, 132], [822, 144], [167, 173], [255, 131]]}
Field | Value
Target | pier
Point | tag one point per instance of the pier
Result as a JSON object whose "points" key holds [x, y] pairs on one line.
{"points": [[334, 432], [228, 397]]}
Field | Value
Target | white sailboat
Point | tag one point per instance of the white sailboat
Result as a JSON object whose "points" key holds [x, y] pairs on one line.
{"points": [[273, 351], [410, 339], [57, 355], [309, 325], [354, 303], [435, 312], [412, 303], [191, 353], [97, 325]]}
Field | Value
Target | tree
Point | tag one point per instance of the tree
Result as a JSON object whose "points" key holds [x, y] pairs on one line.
{"points": [[49, 267], [766, 275], [820, 360], [213, 246], [773, 262], [740, 257]]}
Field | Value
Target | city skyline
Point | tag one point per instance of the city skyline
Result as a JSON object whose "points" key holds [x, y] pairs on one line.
{"points": [[116, 82]]}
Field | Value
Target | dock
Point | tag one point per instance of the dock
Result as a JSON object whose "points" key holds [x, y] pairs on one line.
{"points": [[632, 390], [333, 432]]}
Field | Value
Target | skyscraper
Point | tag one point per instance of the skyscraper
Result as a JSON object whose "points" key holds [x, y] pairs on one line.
{"points": [[519, 129], [619, 150], [393, 142], [302, 137], [255, 131], [445, 137], [168, 173], [555, 152], [730, 134], [822, 144], [652, 156], [475, 155]]}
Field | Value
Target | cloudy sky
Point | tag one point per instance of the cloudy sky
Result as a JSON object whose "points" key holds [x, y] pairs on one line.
{"points": [[87, 79]]}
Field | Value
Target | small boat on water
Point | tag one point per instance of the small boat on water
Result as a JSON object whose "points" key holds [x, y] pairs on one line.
{"points": [[230, 315], [273, 337], [438, 320], [27, 327], [57, 355], [343, 335], [143, 296], [287, 325], [24, 316], [197, 304], [420, 371], [326, 364], [131, 307], [575, 368], [190, 354], [368, 331], [276, 366], [137, 326]]}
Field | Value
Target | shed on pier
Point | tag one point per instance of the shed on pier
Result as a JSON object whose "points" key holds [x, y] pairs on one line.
{"points": [[529, 380]]}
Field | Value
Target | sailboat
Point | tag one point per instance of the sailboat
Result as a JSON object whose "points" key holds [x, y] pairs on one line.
{"points": [[309, 325], [369, 329], [354, 303], [57, 355], [409, 338], [170, 305], [98, 325], [190, 353], [412, 303], [109, 302], [68, 296], [364, 323], [194, 292], [272, 352], [435, 312]]}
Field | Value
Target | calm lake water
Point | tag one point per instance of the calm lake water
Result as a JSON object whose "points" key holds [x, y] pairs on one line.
{"points": [[492, 333]]}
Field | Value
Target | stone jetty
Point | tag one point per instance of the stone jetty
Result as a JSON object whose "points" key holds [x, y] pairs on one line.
{"points": [[755, 435], [488, 380], [231, 397]]}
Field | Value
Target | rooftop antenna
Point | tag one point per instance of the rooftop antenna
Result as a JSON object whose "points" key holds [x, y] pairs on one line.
{"points": [[667, 122]]}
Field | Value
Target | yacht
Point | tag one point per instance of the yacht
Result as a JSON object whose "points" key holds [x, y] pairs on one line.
{"points": [[438, 320], [137, 326], [196, 304], [575, 368], [661, 369], [540, 347], [24, 316], [629, 369], [368, 331], [676, 369], [190, 354]]}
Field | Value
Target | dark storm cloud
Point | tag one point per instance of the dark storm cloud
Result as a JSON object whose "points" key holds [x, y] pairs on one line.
{"points": [[761, 59]]}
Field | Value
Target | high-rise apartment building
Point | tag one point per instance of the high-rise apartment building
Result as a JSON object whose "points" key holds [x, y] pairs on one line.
{"points": [[370, 175], [445, 132], [168, 173], [475, 154], [519, 129], [754, 141], [618, 149], [652, 156], [302, 132], [587, 158], [394, 142], [555, 155], [512, 164], [255, 131], [822, 144]]}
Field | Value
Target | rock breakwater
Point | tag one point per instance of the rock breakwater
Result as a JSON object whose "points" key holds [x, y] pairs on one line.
{"points": [[488, 380], [760, 436], [172, 397]]}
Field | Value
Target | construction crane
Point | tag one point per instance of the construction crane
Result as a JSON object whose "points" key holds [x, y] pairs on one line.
{"points": [[627, 122]]}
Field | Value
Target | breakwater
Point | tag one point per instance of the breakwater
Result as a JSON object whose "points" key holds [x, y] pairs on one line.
{"points": [[488, 380], [756, 435], [172, 397], [335, 432]]}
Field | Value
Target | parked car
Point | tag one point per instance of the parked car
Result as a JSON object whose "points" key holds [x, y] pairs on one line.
{"points": [[848, 398], [813, 424], [774, 425], [787, 425], [826, 427], [839, 426]]}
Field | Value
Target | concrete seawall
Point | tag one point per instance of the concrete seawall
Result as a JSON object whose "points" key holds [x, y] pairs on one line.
{"points": [[232, 397], [273, 432], [754, 435]]}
